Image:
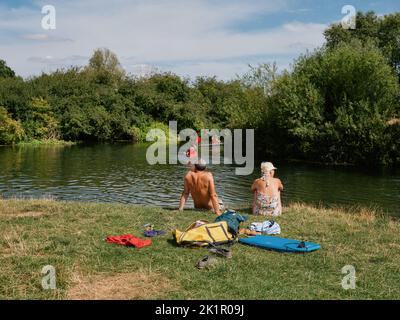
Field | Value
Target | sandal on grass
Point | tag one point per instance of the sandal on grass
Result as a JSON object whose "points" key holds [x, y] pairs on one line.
{"points": [[206, 261]]}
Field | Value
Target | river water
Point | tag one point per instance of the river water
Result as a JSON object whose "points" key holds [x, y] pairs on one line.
{"points": [[120, 173]]}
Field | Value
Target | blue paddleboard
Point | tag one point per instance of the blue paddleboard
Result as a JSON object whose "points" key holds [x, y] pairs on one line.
{"points": [[280, 244]]}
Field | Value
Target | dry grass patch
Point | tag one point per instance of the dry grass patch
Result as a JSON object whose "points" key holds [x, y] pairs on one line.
{"points": [[349, 215], [120, 286], [393, 122], [32, 214], [13, 243], [30, 208], [6, 208]]}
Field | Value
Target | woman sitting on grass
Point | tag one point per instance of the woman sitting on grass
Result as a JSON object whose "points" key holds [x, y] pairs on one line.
{"points": [[267, 192]]}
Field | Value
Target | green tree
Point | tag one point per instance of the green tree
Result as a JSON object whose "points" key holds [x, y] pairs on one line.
{"points": [[380, 31], [39, 121], [261, 76], [11, 131], [392, 138], [5, 71], [296, 111], [15, 94], [105, 66], [334, 105]]}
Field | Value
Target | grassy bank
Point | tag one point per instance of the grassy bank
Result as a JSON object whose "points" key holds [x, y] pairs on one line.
{"points": [[70, 237], [46, 142]]}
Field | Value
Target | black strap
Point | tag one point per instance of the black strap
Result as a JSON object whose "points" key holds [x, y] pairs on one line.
{"points": [[209, 233]]}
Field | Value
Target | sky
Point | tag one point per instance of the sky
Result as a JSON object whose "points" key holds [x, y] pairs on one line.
{"points": [[188, 37]]}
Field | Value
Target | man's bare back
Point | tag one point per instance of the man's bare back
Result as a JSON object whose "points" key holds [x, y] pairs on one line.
{"points": [[200, 185]]}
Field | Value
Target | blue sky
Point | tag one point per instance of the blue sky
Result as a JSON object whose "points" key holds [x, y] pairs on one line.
{"points": [[188, 37]]}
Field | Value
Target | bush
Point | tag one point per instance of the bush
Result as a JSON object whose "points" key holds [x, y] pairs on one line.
{"points": [[11, 131], [39, 121], [381, 31], [391, 138], [334, 106]]}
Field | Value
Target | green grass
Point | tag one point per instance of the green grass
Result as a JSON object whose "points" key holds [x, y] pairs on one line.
{"points": [[45, 142], [70, 237]]}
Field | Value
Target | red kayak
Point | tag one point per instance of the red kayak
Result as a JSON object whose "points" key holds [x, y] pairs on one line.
{"points": [[191, 153]]}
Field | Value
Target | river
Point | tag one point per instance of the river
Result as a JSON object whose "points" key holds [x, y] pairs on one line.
{"points": [[120, 173]]}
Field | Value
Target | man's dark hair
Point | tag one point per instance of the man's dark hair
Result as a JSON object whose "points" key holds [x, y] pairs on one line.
{"points": [[200, 167]]}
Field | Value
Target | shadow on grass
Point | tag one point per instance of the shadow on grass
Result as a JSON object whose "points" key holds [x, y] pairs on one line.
{"points": [[246, 210], [172, 242]]}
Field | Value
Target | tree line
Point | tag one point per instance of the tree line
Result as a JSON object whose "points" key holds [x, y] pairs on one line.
{"points": [[337, 104]]}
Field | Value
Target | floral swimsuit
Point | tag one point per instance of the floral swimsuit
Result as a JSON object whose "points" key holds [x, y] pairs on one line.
{"points": [[267, 206]]}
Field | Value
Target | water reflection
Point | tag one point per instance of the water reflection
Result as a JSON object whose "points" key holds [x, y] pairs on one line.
{"points": [[120, 173]]}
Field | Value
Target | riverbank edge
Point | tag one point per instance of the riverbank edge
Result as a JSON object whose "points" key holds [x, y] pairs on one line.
{"points": [[46, 142], [63, 143]]}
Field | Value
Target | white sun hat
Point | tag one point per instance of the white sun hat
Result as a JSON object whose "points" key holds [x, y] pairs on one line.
{"points": [[267, 166]]}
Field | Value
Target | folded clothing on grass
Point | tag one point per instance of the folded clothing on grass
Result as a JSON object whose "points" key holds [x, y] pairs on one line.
{"points": [[266, 227], [153, 233], [129, 240]]}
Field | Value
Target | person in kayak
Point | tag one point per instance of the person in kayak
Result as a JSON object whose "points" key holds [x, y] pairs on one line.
{"points": [[215, 140], [199, 183], [191, 153], [267, 192], [198, 138]]}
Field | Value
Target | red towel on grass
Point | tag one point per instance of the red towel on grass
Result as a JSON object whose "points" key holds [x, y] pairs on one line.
{"points": [[129, 240]]}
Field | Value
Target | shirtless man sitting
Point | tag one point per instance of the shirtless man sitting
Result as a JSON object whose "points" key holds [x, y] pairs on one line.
{"points": [[199, 183], [267, 192]]}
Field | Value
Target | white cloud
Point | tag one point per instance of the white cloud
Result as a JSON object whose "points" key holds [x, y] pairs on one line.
{"points": [[142, 70], [35, 36], [59, 61], [44, 37], [46, 59], [153, 32]]}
